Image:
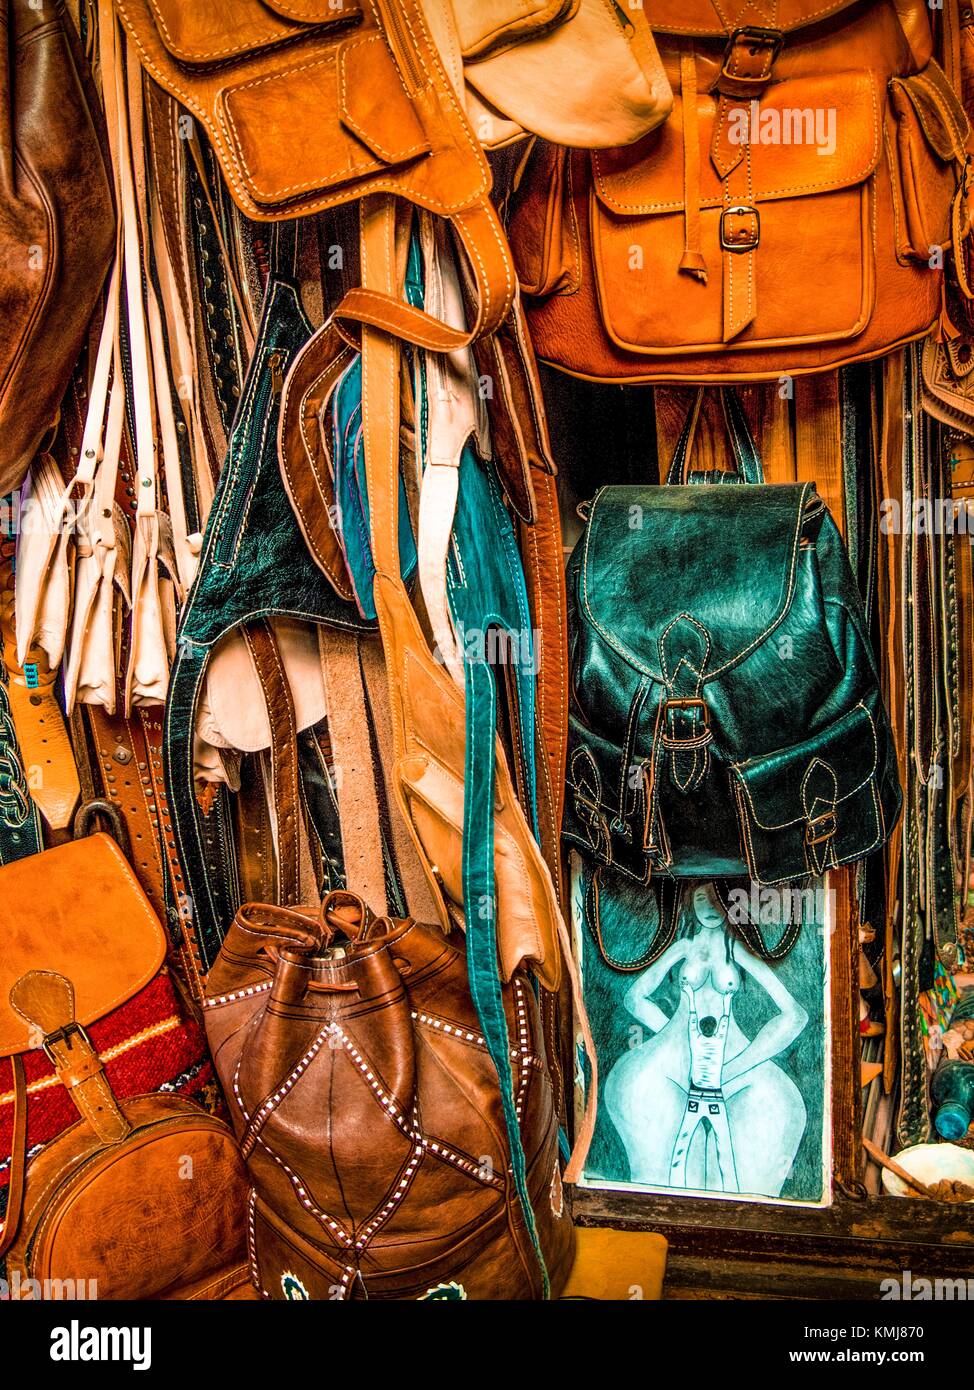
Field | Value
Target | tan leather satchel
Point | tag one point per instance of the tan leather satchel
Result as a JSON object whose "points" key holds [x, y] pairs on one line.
{"points": [[309, 104], [793, 214], [116, 1201], [369, 1114]]}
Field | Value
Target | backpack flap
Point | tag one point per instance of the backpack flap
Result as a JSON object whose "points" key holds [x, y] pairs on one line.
{"points": [[815, 805], [721, 560]]}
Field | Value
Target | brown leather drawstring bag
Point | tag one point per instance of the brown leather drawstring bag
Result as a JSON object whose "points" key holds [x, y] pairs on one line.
{"points": [[57, 223], [369, 1114]]}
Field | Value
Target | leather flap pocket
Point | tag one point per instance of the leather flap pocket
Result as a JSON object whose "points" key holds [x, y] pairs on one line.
{"points": [[348, 108], [815, 805], [804, 137], [931, 135], [212, 32], [668, 257]]}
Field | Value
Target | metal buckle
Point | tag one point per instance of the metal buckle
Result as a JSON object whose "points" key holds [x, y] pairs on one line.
{"points": [[814, 837], [754, 38], [62, 1035], [691, 702], [744, 239], [695, 740]]}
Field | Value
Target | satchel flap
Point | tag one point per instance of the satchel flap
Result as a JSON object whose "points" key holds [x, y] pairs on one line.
{"points": [[76, 910], [216, 31], [484, 26], [722, 557], [374, 104], [806, 136], [703, 18]]}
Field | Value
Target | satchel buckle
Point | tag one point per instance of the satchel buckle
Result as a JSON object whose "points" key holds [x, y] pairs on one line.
{"points": [[748, 60], [740, 229], [820, 828], [64, 1035]]}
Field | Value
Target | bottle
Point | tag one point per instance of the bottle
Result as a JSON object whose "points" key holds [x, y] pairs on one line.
{"points": [[953, 1081]]}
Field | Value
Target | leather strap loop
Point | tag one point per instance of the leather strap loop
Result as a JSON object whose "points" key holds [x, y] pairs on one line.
{"points": [[744, 449], [484, 241]]}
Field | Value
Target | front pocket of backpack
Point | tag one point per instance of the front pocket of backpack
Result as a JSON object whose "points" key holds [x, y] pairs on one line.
{"points": [[815, 805]]}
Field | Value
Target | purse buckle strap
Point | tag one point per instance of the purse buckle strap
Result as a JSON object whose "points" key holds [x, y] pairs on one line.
{"points": [[740, 229]]}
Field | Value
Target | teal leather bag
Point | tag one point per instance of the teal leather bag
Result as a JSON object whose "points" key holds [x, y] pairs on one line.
{"points": [[726, 718]]}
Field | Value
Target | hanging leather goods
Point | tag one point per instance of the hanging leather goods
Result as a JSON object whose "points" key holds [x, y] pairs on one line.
{"points": [[383, 1193], [37, 718], [58, 223], [104, 1101], [253, 567]]}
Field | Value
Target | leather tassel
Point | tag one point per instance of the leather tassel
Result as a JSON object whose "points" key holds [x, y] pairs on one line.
{"points": [[692, 261]]}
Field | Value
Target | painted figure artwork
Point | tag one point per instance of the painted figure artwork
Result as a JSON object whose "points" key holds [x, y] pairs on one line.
{"points": [[712, 1061]]}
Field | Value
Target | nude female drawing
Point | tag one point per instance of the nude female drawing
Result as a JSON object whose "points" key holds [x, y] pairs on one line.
{"points": [[700, 1105]]}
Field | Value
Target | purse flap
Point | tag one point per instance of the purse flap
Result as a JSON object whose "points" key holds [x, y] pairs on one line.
{"points": [[806, 136], [77, 910], [723, 558], [219, 30], [704, 19], [484, 26]]}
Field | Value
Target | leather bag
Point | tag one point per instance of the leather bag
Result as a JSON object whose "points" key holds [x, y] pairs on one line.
{"points": [[808, 145], [57, 218], [591, 78], [399, 1187], [117, 1199], [726, 719], [308, 107]]}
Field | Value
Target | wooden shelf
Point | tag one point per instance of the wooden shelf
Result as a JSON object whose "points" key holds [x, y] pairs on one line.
{"points": [[726, 1250]]}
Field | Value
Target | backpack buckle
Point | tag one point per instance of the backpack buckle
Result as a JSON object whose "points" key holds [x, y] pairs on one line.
{"points": [[64, 1035], [695, 740], [820, 828], [748, 60]]}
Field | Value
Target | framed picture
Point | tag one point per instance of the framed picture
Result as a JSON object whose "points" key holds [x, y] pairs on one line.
{"points": [[714, 1063]]}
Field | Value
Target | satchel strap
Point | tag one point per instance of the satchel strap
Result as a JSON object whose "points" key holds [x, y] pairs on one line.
{"points": [[483, 239], [745, 451], [18, 1160], [45, 1001]]}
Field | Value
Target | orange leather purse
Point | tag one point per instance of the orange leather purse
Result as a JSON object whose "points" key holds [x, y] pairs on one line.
{"points": [[810, 145], [116, 1199]]}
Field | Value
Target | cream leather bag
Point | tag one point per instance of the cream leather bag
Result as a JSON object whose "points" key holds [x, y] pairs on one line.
{"points": [[589, 76]]}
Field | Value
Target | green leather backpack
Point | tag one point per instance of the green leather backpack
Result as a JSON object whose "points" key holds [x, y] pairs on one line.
{"points": [[726, 719]]}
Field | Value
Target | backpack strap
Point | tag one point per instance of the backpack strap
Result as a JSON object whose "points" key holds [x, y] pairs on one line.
{"points": [[745, 451]]}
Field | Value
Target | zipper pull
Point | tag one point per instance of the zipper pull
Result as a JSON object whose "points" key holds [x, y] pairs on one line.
{"points": [[277, 375]]}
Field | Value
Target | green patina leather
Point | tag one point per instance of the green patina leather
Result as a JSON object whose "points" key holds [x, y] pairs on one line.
{"points": [[726, 719]]}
